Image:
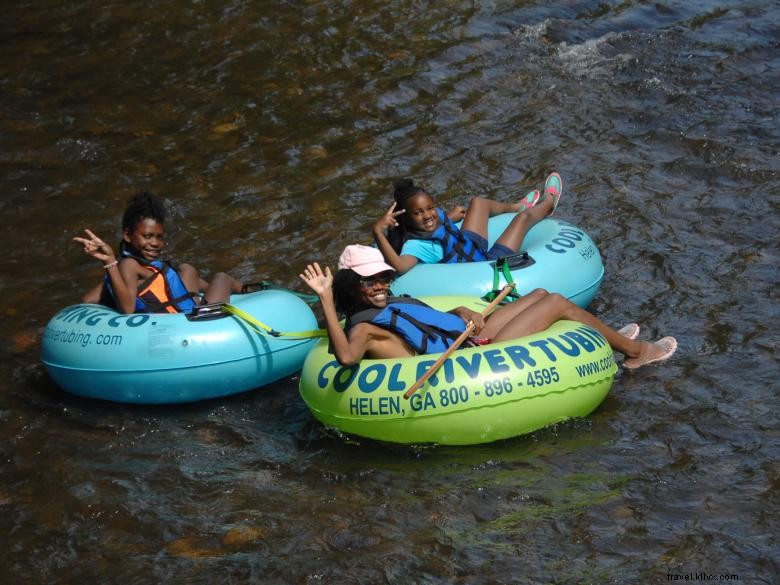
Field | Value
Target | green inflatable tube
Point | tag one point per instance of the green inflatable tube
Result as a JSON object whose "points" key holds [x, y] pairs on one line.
{"points": [[479, 395]]}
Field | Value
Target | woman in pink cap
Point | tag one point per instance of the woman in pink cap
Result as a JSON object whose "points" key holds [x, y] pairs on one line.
{"points": [[382, 326]]}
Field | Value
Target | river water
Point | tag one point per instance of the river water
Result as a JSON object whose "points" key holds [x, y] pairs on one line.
{"points": [[274, 131]]}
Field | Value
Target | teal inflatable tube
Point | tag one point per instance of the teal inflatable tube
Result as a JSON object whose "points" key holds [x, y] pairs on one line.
{"points": [[96, 352], [556, 256]]}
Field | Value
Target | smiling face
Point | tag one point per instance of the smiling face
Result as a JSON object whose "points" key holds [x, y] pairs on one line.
{"points": [[148, 238], [374, 289], [421, 212]]}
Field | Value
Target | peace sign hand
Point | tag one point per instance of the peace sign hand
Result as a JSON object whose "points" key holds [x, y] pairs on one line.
{"points": [[388, 220], [96, 247]]}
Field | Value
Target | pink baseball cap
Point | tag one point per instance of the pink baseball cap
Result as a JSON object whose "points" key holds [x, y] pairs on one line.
{"points": [[364, 260]]}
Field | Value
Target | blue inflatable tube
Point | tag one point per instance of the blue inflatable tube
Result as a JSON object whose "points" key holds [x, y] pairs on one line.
{"points": [[560, 257], [96, 352]]}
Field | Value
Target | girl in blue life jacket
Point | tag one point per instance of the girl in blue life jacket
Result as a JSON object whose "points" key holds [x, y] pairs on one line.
{"points": [[415, 230], [381, 326], [140, 281]]}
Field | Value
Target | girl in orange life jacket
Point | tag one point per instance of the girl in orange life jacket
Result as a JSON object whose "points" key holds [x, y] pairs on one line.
{"points": [[419, 231], [140, 281]]}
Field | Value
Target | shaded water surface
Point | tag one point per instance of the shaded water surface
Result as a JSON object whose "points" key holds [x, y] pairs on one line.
{"points": [[274, 131]]}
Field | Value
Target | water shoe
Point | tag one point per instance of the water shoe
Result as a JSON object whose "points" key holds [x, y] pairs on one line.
{"points": [[553, 187], [529, 200], [631, 330], [660, 351]]}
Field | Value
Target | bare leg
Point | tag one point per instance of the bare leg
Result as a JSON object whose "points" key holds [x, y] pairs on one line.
{"points": [[191, 279], [502, 316], [517, 229], [480, 210], [222, 285], [93, 295], [552, 307]]}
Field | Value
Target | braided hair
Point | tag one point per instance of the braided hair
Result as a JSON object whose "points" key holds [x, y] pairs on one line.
{"points": [[404, 189]]}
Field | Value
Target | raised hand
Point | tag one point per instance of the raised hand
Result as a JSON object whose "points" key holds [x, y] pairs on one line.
{"points": [[457, 213], [317, 280], [388, 220], [96, 247]]}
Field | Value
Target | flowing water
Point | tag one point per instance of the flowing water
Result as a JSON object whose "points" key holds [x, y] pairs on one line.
{"points": [[274, 131]]}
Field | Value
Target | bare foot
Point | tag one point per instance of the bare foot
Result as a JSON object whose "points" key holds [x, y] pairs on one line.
{"points": [[631, 330], [652, 352]]}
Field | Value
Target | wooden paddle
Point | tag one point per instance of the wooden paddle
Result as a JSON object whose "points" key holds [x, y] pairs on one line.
{"points": [[463, 336]]}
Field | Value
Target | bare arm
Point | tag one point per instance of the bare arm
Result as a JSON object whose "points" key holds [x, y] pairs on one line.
{"points": [[401, 263], [350, 350], [123, 276], [93, 295]]}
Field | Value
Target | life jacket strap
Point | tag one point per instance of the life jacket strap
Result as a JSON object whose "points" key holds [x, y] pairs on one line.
{"points": [[431, 332], [465, 250]]}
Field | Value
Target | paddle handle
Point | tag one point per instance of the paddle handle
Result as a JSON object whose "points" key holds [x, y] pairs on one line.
{"points": [[463, 336]]}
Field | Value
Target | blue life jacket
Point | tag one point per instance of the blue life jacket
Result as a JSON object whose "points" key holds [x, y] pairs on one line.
{"points": [[162, 292], [424, 328], [456, 246]]}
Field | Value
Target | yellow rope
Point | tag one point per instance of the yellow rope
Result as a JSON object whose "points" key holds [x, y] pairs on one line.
{"points": [[261, 327]]}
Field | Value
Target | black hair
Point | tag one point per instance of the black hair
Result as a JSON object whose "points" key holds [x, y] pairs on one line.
{"points": [[404, 189], [346, 292], [143, 205]]}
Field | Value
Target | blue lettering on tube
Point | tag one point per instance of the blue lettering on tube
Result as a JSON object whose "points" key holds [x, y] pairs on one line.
{"points": [[394, 404], [396, 385], [368, 386], [520, 356], [322, 381], [449, 371], [78, 315], [576, 236], [95, 318], [354, 404], [564, 242], [582, 340], [593, 335], [115, 321], [542, 344], [572, 350], [495, 361], [339, 383], [423, 367], [137, 320], [471, 367]]}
